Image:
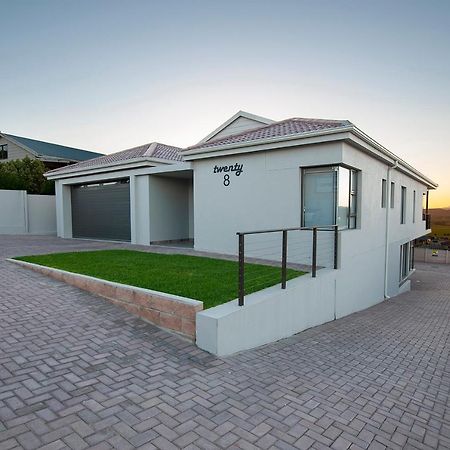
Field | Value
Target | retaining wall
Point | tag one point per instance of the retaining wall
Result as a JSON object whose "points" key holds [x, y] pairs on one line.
{"points": [[168, 311]]}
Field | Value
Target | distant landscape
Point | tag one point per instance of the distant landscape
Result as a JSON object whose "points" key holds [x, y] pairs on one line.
{"points": [[440, 221]]}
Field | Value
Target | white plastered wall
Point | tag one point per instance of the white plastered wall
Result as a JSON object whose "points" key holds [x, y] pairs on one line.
{"points": [[265, 195], [169, 208], [21, 213]]}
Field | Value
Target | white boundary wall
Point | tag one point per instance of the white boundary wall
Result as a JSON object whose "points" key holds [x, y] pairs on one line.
{"points": [[428, 255], [21, 213]]}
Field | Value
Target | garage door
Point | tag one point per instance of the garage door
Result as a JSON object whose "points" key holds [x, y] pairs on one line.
{"points": [[102, 211]]}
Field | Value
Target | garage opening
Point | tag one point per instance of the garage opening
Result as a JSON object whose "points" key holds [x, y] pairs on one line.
{"points": [[102, 210]]}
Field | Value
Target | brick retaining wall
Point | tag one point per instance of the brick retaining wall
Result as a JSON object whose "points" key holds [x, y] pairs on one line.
{"points": [[165, 310]]}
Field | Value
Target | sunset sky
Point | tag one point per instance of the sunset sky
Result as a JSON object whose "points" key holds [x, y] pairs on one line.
{"points": [[108, 75]]}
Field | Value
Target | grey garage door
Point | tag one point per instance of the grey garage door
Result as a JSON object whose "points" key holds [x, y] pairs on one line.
{"points": [[102, 211]]}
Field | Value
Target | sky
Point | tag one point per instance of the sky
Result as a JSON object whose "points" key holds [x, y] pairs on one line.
{"points": [[106, 75]]}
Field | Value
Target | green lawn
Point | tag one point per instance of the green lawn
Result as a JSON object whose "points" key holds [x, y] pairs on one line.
{"points": [[214, 281]]}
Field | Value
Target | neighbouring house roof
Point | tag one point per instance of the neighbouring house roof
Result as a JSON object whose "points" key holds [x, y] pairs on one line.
{"points": [[54, 151], [152, 151], [284, 128]]}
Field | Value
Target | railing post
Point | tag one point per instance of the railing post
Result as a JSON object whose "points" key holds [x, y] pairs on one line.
{"points": [[284, 260], [314, 252], [241, 270], [336, 237]]}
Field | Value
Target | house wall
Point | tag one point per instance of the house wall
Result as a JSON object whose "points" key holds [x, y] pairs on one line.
{"points": [[14, 151], [27, 214], [140, 209], [267, 194], [169, 208]]}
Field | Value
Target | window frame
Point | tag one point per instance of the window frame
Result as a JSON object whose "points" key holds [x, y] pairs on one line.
{"points": [[403, 198], [406, 261], [383, 193], [392, 195]]}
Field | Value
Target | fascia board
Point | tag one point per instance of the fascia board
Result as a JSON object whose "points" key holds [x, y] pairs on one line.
{"points": [[268, 144], [101, 168], [402, 165], [114, 174], [351, 134]]}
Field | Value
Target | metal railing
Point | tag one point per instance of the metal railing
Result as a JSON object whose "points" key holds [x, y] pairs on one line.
{"points": [[284, 253]]}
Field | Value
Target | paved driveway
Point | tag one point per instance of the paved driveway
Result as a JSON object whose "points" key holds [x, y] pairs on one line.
{"points": [[77, 372]]}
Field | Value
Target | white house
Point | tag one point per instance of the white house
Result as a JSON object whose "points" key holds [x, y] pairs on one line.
{"points": [[253, 173]]}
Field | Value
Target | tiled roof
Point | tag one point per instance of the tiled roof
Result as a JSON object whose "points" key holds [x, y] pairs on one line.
{"points": [[152, 150], [284, 128], [53, 150]]}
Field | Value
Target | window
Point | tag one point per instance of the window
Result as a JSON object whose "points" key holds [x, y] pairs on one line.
{"points": [[406, 260], [424, 206], [4, 151], [414, 207], [330, 197], [383, 193], [353, 198], [392, 194], [403, 206]]}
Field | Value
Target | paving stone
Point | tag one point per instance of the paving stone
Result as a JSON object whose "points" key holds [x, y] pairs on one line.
{"points": [[78, 372]]}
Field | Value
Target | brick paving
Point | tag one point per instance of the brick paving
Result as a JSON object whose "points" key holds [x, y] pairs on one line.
{"points": [[77, 372]]}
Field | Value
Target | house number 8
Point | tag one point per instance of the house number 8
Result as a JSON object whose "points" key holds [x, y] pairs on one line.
{"points": [[226, 180]]}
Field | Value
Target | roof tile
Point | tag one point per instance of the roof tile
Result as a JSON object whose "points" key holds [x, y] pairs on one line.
{"points": [[152, 150], [284, 128]]}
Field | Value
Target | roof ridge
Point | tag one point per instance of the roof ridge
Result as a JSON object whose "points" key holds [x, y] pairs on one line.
{"points": [[45, 142], [253, 130], [320, 120], [150, 149], [236, 134]]}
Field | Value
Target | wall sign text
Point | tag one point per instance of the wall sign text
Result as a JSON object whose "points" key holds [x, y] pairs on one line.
{"points": [[237, 169]]}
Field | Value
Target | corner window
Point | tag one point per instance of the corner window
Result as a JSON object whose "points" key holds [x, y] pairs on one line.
{"points": [[4, 151], [392, 194], [403, 206], [329, 196]]}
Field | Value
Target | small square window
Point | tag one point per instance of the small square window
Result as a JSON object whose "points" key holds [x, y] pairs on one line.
{"points": [[4, 151], [383, 193], [392, 194], [403, 206]]}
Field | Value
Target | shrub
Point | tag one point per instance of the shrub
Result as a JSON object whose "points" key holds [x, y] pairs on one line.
{"points": [[25, 174]]}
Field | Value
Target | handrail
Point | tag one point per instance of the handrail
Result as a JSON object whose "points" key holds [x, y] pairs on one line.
{"points": [[284, 250], [276, 230]]}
